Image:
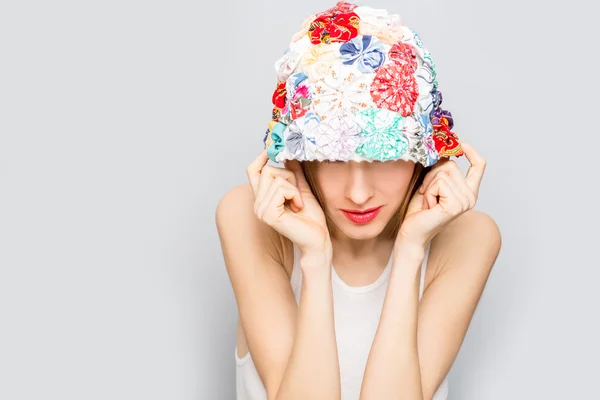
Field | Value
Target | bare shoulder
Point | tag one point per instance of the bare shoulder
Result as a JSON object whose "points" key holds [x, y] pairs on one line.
{"points": [[474, 237], [235, 212]]}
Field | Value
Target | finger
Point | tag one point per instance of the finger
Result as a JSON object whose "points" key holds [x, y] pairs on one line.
{"points": [[254, 170], [268, 174], [429, 177], [476, 169], [277, 183], [274, 207], [456, 179], [459, 183], [447, 165], [296, 168], [297, 203], [461, 197], [448, 198], [430, 194]]}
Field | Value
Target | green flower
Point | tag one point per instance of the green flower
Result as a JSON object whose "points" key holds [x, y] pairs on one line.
{"points": [[384, 138]]}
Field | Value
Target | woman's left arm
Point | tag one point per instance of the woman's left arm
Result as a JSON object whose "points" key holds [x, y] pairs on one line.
{"points": [[417, 342]]}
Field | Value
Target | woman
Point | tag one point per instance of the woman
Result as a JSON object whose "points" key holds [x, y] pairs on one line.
{"points": [[356, 273]]}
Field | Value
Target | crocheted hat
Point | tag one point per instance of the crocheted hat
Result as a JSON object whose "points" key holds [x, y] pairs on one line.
{"points": [[356, 84]]}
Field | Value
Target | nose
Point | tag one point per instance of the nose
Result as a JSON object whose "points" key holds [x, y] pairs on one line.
{"points": [[359, 187]]}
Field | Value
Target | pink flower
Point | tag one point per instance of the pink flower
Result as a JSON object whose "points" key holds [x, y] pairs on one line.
{"points": [[395, 88]]}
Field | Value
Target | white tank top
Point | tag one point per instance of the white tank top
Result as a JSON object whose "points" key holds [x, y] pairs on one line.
{"points": [[356, 313]]}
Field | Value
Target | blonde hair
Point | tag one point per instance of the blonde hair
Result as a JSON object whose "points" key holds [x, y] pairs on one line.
{"points": [[310, 167]]}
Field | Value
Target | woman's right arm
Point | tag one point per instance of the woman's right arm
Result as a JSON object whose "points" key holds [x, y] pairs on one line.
{"points": [[293, 347]]}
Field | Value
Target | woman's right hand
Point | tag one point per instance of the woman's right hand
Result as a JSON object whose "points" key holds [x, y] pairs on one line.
{"points": [[283, 200]]}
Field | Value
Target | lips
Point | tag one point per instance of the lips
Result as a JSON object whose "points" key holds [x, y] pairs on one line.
{"points": [[362, 216]]}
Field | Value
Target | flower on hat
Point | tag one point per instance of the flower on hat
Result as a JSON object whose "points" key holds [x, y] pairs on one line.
{"points": [[279, 95], [317, 61], [366, 51], [296, 134], [438, 114], [392, 33], [279, 99], [334, 139], [339, 28], [436, 98], [340, 8], [418, 130], [275, 140], [394, 87], [431, 150], [338, 24], [383, 136], [414, 40], [446, 141], [267, 139], [377, 22], [427, 133], [298, 97], [404, 55], [342, 91], [425, 81]]}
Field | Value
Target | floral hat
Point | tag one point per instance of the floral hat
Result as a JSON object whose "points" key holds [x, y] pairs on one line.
{"points": [[358, 85]]}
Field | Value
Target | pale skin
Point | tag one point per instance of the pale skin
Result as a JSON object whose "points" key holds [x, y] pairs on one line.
{"points": [[416, 342]]}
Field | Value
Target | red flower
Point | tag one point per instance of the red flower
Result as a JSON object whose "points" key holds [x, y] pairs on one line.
{"points": [[279, 100], [395, 88], [405, 55], [334, 27], [446, 142], [279, 95]]}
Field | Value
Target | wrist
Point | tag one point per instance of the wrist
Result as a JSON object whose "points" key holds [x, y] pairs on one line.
{"points": [[316, 258], [409, 249], [323, 250]]}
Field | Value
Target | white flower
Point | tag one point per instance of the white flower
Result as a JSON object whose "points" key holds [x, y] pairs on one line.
{"points": [[334, 139], [344, 91], [317, 61], [377, 22]]}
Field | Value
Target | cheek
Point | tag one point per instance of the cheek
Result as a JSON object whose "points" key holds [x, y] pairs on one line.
{"points": [[393, 178], [329, 185], [328, 178]]}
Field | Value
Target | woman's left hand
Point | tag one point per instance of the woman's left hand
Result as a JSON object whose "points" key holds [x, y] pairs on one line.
{"points": [[444, 195]]}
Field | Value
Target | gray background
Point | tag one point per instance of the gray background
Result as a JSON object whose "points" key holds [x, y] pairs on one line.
{"points": [[123, 123]]}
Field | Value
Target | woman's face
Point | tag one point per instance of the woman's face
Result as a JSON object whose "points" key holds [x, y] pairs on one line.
{"points": [[351, 187]]}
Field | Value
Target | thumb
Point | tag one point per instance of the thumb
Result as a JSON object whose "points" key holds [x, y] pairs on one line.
{"points": [[296, 168]]}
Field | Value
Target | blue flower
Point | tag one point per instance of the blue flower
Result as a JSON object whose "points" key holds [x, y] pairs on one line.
{"points": [[367, 51], [276, 144]]}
